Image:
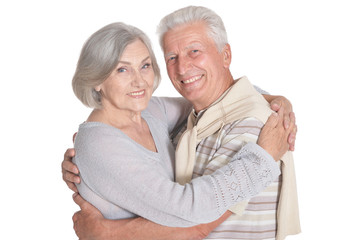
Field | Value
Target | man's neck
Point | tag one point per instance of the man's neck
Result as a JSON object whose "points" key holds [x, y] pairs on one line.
{"points": [[203, 105]]}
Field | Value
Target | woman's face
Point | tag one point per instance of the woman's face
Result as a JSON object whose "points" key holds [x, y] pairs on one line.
{"points": [[130, 85]]}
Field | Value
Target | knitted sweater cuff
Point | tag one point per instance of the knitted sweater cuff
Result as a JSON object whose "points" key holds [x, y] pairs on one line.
{"points": [[250, 171]]}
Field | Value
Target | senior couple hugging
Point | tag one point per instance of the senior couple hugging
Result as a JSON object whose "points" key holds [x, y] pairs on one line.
{"points": [[216, 164]]}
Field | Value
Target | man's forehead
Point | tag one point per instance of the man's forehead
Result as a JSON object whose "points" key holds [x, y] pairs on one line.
{"points": [[185, 47]]}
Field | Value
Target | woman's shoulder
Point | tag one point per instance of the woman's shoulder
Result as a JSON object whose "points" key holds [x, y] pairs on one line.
{"points": [[163, 108], [155, 110], [99, 136], [96, 129], [101, 139]]}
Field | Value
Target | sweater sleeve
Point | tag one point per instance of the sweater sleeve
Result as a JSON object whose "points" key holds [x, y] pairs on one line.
{"points": [[137, 182], [173, 111], [260, 90]]}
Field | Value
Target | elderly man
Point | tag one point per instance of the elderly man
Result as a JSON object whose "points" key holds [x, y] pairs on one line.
{"points": [[227, 113]]}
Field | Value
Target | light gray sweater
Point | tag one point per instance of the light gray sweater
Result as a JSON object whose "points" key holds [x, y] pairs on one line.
{"points": [[124, 180]]}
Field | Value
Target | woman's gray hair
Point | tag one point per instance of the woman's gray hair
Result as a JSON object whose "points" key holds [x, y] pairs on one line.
{"points": [[99, 57], [193, 14]]}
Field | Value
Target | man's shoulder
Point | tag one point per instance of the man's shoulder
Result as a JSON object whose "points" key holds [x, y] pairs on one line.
{"points": [[248, 125]]}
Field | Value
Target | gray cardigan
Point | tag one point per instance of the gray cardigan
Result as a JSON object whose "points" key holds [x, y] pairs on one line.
{"points": [[124, 180]]}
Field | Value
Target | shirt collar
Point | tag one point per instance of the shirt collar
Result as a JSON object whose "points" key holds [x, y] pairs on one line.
{"points": [[197, 116]]}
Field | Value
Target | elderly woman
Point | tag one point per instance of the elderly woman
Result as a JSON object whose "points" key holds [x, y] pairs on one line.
{"points": [[124, 152]]}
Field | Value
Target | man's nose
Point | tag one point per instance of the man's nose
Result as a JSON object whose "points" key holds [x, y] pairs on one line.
{"points": [[183, 64]]}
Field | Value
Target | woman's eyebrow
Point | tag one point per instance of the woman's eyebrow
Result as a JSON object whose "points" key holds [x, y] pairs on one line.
{"points": [[129, 63]]}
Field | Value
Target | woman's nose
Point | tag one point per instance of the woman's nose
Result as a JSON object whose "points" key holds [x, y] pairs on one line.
{"points": [[137, 79]]}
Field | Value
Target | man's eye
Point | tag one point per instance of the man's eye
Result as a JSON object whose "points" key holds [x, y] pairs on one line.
{"points": [[171, 60], [194, 53], [121, 70]]}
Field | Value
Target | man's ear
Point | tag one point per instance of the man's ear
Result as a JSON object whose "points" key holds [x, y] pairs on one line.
{"points": [[227, 55]]}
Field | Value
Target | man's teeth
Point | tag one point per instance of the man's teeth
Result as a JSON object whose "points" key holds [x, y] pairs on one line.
{"points": [[136, 93], [192, 79]]}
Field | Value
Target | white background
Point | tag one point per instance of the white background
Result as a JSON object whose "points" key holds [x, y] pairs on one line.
{"points": [[308, 51]]}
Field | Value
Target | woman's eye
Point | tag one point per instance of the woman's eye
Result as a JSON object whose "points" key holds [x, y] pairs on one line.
{"points": [[121, 70], [145, 66]]}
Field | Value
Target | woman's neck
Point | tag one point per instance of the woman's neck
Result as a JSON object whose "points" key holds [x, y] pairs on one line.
{"points": [[117, 118], [129, 122]]}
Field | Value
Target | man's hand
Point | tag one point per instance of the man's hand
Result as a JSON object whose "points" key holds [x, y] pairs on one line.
{"points": [[69, 170], [276, 103], [88, 222], [274, 136]]}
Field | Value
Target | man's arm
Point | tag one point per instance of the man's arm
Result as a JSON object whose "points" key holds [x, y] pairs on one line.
{"points": [[90, 224]]}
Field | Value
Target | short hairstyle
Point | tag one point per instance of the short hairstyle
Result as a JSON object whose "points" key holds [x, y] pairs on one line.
{"points": [[99, 57], [193, 14]]}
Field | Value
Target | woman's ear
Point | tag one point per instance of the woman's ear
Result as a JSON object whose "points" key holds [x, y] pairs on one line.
{"points": [[227, 55], [98, 88]]}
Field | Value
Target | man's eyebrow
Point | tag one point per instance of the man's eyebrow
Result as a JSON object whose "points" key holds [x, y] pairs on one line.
{"points": [[194, 44], [169, 54]]}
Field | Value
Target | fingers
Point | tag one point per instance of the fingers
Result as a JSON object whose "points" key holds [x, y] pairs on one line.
{"points": [[67, 163], [69, 166], [280, 117], [292, 121], [272, 121], [292, 131], [74, 136], [282, 102], [75, 217], [69, 170], [276, 105], [69, 177], [286, 121], [72, 187], [69, 153], [288, 115], [80, 201], [292, 138], [75, 220]]}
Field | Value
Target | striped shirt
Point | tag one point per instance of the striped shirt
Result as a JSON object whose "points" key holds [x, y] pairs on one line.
{"points": [[258, 220]]}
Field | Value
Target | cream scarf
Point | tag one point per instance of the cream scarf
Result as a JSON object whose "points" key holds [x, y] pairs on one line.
{"points": [[240, 102]]}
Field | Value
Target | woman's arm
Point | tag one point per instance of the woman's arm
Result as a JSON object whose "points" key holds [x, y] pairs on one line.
{"points": [[118, 173]]}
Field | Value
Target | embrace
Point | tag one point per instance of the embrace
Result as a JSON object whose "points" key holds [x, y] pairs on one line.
{"points": [[215, 164]]}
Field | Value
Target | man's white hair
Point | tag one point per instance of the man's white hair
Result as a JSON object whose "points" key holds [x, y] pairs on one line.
{"points": [[193, 14]]}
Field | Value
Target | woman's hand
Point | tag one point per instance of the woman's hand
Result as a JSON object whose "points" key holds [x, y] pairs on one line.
{"points": [[276, 103], [69, 170], [274, 135]]}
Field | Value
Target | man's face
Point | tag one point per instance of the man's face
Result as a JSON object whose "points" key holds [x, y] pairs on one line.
{"points": [[195, 66]]}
